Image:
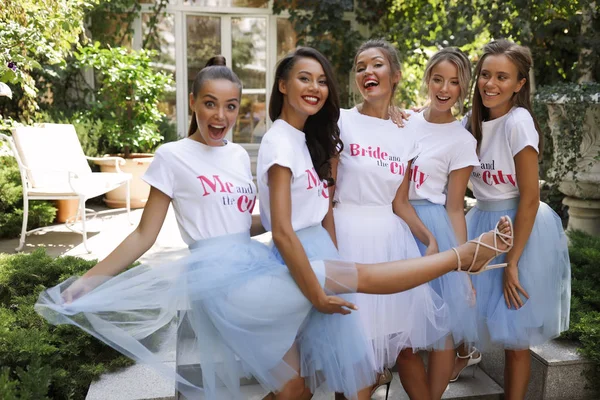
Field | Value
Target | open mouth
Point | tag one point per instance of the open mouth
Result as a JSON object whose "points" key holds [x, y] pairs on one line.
{"points": [[312, 100], [370, 83], [491, 94], [216, 132], [442, 99]]}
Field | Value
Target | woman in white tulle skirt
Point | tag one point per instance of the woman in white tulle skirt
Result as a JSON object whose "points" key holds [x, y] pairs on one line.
{"points": [[375, 222], [248, 314]]}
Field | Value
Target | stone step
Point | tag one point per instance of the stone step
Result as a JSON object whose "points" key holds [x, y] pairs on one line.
{"points": [[474, 384], [139, 382], [556, 371]]}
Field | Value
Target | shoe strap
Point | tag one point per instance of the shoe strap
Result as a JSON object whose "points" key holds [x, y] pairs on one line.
{"points": [[467, 356]]}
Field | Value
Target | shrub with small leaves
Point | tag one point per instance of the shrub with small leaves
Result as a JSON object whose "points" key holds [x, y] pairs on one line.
{"points": [[42, 361], [584, 251], [41, 213]]}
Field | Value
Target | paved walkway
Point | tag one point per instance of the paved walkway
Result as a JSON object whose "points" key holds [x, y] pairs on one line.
{"points": [[105, 233]]}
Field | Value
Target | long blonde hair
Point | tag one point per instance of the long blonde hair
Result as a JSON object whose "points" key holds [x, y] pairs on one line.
{"points": [[463, 66]]}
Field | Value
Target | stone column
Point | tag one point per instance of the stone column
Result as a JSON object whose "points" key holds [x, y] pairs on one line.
{"points": [[581, 185]]}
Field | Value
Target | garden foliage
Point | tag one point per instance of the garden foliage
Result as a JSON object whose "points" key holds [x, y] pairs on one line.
{"points": [[41, 213], [39, 360], [584, 251]]}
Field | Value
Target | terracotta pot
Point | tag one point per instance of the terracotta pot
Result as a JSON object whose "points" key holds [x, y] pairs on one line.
{"points": [[136, 165], [66, 209]]}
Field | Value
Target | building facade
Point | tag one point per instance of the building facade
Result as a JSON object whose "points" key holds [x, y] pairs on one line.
{"points": [[246, 32]]}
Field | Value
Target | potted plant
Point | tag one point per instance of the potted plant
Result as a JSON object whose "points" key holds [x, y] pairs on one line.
{"points": [[573, 111], [127, 98]]}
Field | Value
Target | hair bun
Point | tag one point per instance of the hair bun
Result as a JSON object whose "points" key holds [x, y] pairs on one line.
{"points": [[216, 60]]}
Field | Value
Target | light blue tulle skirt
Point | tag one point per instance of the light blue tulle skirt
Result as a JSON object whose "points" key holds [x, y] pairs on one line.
{"points": [[244, 312], [454, 287], [544, 273], [334, 346]]}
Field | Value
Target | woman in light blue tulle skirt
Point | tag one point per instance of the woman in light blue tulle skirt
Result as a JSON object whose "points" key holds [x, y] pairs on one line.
{"points": [[249, 315], [439, 177], [527, 303]]}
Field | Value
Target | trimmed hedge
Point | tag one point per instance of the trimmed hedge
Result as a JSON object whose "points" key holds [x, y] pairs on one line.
{"points": [[584, 251], [41, 213], [39, 360]]}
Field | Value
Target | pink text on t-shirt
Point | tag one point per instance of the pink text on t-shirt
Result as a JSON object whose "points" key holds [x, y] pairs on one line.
{"points": [[245, 203], [491, 177], [418, 177], [313, 181], [357, 150]]}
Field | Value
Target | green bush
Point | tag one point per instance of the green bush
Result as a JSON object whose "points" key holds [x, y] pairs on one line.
{"points": [[585, 300], [128, 96], [41, 213], [39, 360]]}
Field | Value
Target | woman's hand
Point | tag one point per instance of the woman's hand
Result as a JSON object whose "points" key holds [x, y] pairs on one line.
{"points": [[398, 116], [512, 287], [77, 289], [432, 248], [333, 305]]}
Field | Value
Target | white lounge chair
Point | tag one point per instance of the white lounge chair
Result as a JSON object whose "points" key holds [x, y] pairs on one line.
{"points": [[53, 167]]}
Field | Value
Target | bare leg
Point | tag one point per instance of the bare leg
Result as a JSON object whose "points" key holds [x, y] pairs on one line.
{"points": [[439, 369], [398, 276], [517, 370], [294, 389], [460, 363], [411, 370]]}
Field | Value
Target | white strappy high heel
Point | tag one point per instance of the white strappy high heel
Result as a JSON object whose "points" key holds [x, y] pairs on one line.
{"points": [[506, 239], [472, 361]]}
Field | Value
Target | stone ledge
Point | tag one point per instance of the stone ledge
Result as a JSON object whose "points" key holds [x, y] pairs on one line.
{"points": [[556, 371], [137, 382]]}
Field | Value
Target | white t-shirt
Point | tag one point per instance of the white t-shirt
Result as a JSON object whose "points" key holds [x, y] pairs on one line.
{"points": [[502, 139], [374, 160], [211, 188], [285, 145], [444, 148]]}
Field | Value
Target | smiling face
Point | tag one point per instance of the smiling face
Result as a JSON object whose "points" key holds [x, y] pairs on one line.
{"points": [[443, 86], [305, 89], [374, 76], [497, 83], [216, 108]]}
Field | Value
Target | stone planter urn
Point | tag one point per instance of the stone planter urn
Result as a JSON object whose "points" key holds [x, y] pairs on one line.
{"points": [[574, 121]]}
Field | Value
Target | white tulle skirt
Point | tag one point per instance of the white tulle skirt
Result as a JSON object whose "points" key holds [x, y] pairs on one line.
{"points": [[417, 318]]}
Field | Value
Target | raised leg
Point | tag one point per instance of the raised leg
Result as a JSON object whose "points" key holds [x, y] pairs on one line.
{"points": [[397, 276]]}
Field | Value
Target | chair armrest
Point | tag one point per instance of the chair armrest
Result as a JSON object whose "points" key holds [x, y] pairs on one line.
{"points": [[118, 161], [70, 175]]}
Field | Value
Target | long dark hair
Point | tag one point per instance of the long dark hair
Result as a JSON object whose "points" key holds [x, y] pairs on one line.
{"points": [[216, 68], [321, 130], [520, 56]]}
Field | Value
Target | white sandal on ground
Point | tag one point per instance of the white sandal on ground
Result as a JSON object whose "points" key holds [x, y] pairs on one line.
{"points": [[472, 361], [506, 239]]}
